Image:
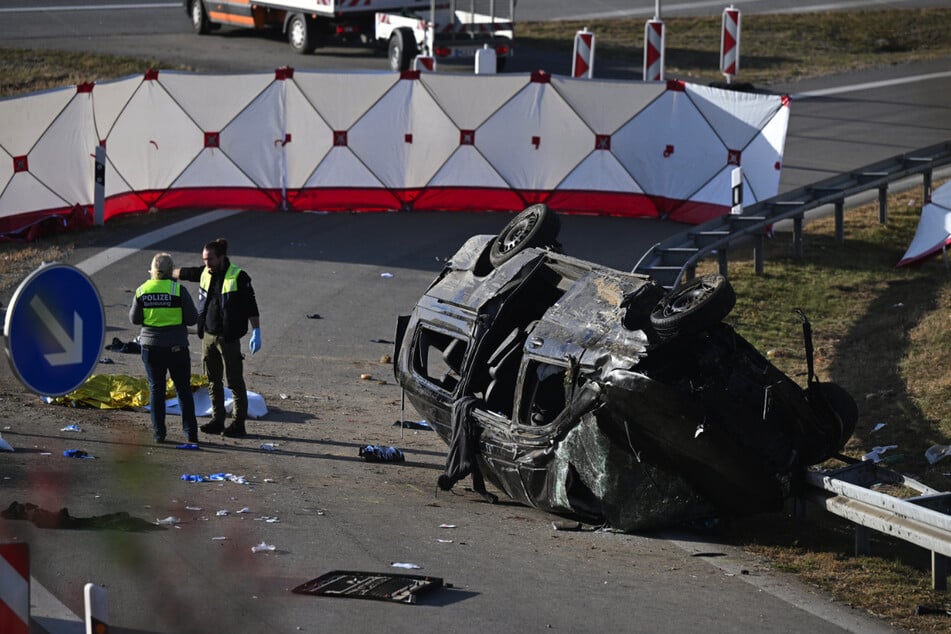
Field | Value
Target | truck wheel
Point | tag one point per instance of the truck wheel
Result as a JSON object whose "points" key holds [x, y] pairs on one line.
{"points": [[199, 18], [693, 307], [300, 34], [402, 49], [536, 226]]}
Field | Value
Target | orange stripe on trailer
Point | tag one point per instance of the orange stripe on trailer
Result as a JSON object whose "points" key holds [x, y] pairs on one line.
{"points": [[241, 20]]}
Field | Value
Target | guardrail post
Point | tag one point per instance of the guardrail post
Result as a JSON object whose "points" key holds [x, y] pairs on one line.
{"points": [[840, 221], [759, 247], [939, 572], [926, 187], [883, 204], [724, 265], [797, 237]]}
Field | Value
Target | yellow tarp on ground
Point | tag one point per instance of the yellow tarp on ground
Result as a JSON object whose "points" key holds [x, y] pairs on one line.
{"points": [[118, 391]]}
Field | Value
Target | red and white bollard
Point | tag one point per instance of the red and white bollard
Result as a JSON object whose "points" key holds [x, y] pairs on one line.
{"points": [[424, 63], [582, 61], [97, 618], [654, 50], [15, 588], [730, 43]]}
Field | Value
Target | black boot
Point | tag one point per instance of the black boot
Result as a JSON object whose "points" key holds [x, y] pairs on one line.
{"points": [[215, 427], [235, 430]]}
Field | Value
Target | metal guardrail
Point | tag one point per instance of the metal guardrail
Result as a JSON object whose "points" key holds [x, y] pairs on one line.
{"points": [[674, 261], [923, 520]]}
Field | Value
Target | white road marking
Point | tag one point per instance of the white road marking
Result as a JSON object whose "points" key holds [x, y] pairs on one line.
{"points": [[885, 83], [112, 255]]}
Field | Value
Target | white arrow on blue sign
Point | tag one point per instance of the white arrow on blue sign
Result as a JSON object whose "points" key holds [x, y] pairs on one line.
{"points": [[55, 328]]}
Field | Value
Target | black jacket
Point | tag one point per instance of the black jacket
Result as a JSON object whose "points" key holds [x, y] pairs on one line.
{"points": [[223, 314]]}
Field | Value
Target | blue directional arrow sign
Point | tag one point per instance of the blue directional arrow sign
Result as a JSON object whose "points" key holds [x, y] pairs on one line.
{"points": [[54, 329]]}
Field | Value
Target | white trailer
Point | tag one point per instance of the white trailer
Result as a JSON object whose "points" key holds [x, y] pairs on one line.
{"points": [[448, 33], [402, 28]]}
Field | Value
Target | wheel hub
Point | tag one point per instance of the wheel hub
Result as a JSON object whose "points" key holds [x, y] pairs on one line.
{"points": [[517, 233]]}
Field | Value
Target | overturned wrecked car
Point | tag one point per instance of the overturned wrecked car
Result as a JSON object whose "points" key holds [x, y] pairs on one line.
{"points": [[596, 394]]}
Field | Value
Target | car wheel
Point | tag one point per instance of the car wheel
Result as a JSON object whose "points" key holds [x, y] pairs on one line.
{"points": [[300, 35], [536, 226], [200, 23], [693, 307], [402, 49]]}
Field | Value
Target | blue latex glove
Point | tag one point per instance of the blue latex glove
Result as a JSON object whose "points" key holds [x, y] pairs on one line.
{"points": [[255, 340]]}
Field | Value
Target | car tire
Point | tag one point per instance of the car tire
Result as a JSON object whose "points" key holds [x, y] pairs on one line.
{"points": [[199, 19], [301, 35], [402, 49], [693, 307], [535, 226]]}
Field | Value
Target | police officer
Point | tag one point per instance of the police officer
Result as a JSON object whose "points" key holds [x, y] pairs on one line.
{"points": [[226, 304], [164, 309]]}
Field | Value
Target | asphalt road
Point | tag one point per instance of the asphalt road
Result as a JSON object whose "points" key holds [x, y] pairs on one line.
{"points": [[510, 570]]}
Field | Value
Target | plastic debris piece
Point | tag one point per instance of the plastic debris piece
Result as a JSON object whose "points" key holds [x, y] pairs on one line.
{"points": [[106, 361], [878, 427], [218, 477], [243, 510], [220, 538], [222, 512], [447, 526], [283, 396], [193, 508], [72, 427], [934, 453], [269, 446], [386, 275], [190, 446], [168, 521], [396, 564], [5, 446], [444, 541], [76, 453], [875, 455], [192, 477], [263, 547], [366, 377], [375, 453]]}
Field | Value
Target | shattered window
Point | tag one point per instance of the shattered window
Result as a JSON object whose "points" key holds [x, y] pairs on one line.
{"points": [[438, 358], [544, 395]]}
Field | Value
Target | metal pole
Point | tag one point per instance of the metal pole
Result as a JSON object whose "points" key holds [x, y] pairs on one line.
{"points": [[99, 188], [657, 10]]}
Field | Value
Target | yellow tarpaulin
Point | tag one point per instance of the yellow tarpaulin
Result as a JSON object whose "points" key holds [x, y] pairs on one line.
{"points": [[118, 391]]}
